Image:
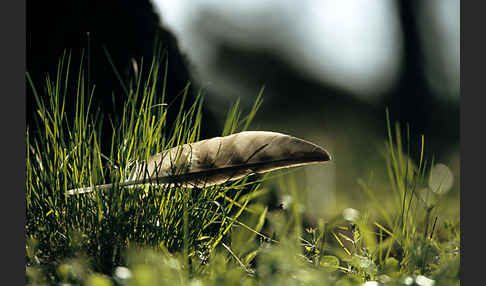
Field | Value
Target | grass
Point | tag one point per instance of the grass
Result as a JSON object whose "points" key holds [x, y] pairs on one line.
{"points": [[222, 235]]}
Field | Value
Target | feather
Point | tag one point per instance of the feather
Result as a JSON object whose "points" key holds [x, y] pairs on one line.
{"points": [[218, 160]]}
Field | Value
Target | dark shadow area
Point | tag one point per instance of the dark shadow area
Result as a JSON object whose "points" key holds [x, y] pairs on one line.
{"points": [[127, 29]]}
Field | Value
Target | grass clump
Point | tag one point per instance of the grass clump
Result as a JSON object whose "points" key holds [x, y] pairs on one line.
{"points": [[64, 154], [221, 235]]}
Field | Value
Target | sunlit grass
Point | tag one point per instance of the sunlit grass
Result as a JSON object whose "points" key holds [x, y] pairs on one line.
{"points": [[222, 235]]}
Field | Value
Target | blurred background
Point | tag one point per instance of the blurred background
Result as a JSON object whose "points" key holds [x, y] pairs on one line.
{"points": [[329, 69]]}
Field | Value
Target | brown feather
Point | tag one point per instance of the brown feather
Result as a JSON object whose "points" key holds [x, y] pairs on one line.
{"points": [[221, 159]]}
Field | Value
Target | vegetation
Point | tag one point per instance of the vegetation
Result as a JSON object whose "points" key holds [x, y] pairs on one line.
{"points": [[220, 235]]}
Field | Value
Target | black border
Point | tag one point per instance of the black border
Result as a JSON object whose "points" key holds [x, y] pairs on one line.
{"points": [[472, 78], [12, 212]]}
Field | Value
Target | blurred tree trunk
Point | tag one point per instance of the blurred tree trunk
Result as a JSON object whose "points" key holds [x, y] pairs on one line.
{"points": [[412, 101]]}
